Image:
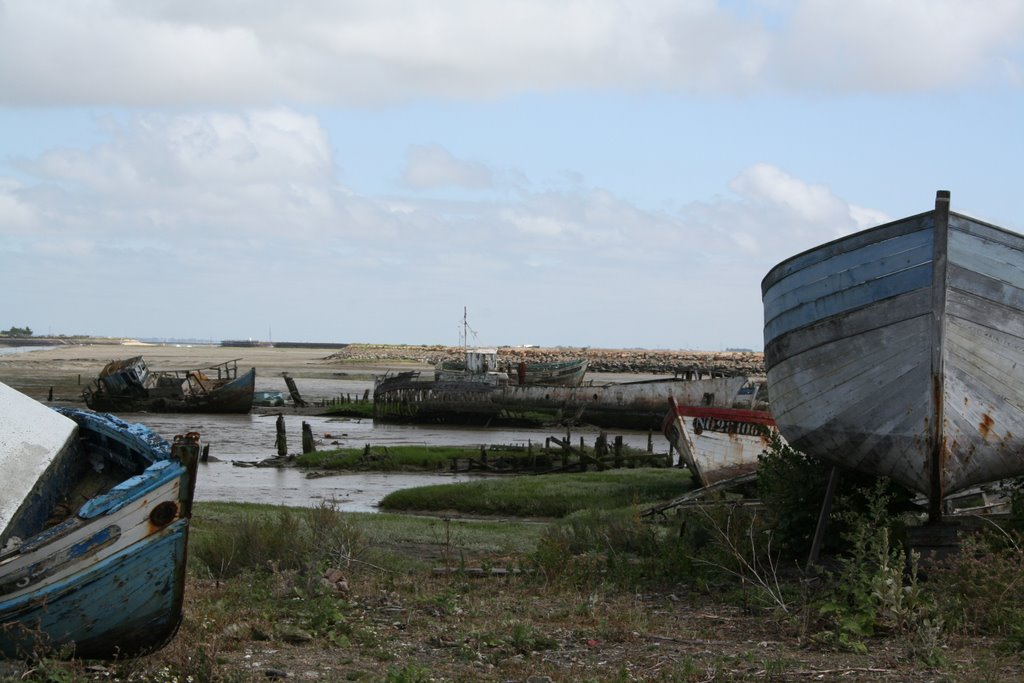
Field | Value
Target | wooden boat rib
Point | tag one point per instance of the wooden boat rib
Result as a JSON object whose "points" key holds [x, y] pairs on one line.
{"points": [[896, 351], [93, 531]]}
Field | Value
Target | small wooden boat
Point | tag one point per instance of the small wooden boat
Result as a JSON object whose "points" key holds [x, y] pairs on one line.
{"points": [[483, 365], [131, 386], [717, 444], [567, 373], [898, 350], [94, 517]]}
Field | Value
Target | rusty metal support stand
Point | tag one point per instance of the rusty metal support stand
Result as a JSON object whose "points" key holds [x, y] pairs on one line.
{"points": [[826, 510]]}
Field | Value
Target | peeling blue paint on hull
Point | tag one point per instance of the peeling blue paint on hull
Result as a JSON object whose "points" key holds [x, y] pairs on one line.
{"points": [[108, 580], [126, 604]]}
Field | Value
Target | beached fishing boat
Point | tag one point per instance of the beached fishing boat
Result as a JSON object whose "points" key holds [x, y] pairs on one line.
{"points": [[717, 444], [554, 374], [898, 350], [479, 366], [131, 386], [94, 516]]}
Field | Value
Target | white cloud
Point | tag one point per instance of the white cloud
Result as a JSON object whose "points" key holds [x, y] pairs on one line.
{"points": [[258, 54], [766, 184], [770, 216], [880, 45], [247, 174], [244, 209], [16, 215], [432, 166]]}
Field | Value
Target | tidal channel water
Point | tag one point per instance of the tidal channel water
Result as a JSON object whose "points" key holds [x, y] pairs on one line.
{"points": [[250, 438]]}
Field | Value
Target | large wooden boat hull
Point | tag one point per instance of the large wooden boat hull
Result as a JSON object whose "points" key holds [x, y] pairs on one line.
{"points": [[631, 405], [108, 580], [897, 351], [718, 444]]}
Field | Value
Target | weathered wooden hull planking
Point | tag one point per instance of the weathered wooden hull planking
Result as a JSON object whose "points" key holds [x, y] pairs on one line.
{"points": [[897, 351], [638, 405], [718, 444], [108, 580]]}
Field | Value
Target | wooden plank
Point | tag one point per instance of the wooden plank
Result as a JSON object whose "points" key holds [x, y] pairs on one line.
{"points": [[844, 301], [993, 259], [973, 226], [846, 369], [807, 258], [849, 269], [892, 311]]}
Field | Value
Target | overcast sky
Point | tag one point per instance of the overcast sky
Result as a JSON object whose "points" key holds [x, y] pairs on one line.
{"points": [[607, 173]]}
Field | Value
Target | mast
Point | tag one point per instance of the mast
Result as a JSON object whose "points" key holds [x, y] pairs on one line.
{"points": [[466, 331]]}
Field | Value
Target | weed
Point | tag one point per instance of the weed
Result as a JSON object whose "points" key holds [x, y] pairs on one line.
{"points": [[410, 673], [525, 638], [870, 593], [741, 545]]}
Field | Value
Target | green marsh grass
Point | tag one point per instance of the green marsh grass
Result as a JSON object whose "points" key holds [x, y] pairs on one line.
{"points": [[545, 496]]}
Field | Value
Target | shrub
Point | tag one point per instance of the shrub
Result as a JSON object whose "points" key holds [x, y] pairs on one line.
{"points": [[979, 590], [792, 486]]}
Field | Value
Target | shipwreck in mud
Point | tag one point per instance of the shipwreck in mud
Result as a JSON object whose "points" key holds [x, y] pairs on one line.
{"points": [[408, 397], [131, 386]]}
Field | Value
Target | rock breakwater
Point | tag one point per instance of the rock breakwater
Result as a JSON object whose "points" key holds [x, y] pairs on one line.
{"points": [[639, 361]]}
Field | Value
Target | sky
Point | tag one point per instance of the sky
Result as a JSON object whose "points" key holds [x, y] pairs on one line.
{"points": [[599, 173]]}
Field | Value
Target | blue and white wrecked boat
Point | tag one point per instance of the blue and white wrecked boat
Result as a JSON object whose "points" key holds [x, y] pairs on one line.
{"points": [[94, 516], [898, 351]]}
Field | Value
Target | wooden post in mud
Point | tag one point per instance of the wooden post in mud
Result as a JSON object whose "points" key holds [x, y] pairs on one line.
{"points": [[307, 438], [618, 452], [293, 390], [650, 442], [282, 440]]}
